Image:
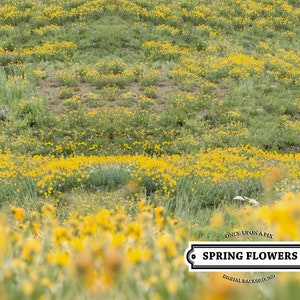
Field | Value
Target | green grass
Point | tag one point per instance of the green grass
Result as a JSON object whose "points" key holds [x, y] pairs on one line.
{"points": [[151, 84], [260, 100]]}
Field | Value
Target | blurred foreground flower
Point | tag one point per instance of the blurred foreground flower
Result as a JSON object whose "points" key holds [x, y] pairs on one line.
{"points": [[18, 213]]}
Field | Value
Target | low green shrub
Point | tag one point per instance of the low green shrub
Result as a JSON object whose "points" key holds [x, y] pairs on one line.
{"points": [[106, 178], [192, 195]]}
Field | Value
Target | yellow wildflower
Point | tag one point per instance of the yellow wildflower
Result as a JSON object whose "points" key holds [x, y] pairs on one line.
{"points": [[48, 210], [30, 249], [273, 176], [18, 213], [166, 243], [217, 219], [172, 286], [60, 235], [27, 288], [61, 258], [139, 254]]}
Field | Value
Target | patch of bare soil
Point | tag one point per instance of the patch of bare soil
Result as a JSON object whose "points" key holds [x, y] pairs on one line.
{"points": [[49, 90]]}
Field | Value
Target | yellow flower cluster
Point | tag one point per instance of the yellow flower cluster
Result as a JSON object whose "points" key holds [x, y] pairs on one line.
{"points": [[48, 29], [243, 66], [234, 13], [285, 65], [53, 13], [199, 14], [235, 65], [200, 48], [280, 218], [59, 50], [6, 29], [106, 72], [163, 28], [110, 251], [103, 251], [163, 13], [10, 14], [210, 19], [217, 165], [163, 50], [67, 78]]}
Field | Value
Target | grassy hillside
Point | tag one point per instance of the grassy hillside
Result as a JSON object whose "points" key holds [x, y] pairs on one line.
{"points": [[78, 76], [137, 122]]}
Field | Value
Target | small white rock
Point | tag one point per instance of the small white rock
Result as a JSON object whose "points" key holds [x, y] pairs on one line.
{"points": [[250, 201], [240, 198], [253, 202]]}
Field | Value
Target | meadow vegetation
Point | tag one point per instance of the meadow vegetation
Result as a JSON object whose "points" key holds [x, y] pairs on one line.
{"points": [[127, 128]]}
